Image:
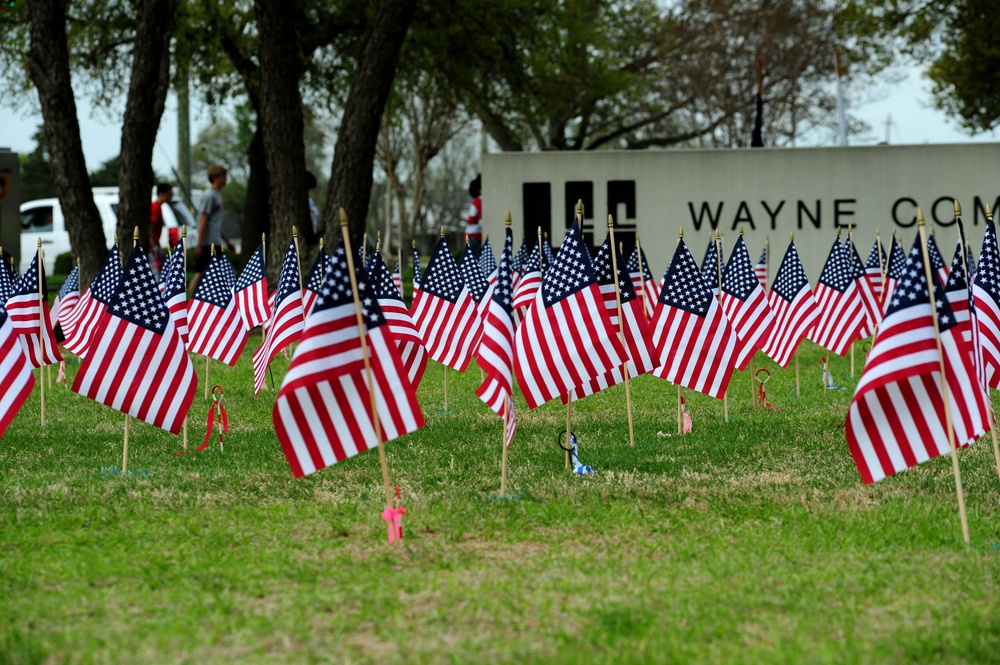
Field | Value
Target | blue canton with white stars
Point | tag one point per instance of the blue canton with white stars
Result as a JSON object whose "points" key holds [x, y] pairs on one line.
{"points": [[503, 294], [487, 261], [314, 281], [173, 276], [522, 255], [791, 277], [739, 279], [104, 285], [897, 260], [443, 278], [381, 280], [227, 268], [604, 269], [28, 283], [912, 290], [547, 255], [571, 272], [253, 272], [837, 271], [874, 262], [684, 285], [214, 286], [7, 285], [988, 273], [416, 267], [288, 279], [71, 284], [533, 263], [937, 261], [137, 299], [634, 264], [472, 275], [336, 290]]}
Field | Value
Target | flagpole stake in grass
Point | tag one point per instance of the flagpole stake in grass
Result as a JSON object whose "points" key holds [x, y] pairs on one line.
{"points": [[184, 235], [621, 326], [369, 378], [718, 266], [41, 328], [944, 379]]}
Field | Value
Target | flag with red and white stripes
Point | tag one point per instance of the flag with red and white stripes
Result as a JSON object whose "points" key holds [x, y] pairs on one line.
{"points": [[136, 363], [323, 411], [794, 308], [445, 313], [937, 261], [397, 277], [874, 269], [215, 326], [404, 332], [643, 282], [986, 287], [841, 312], [476, 281], [314, 281], [287, 320], [566, 338], [528, 285], [694, 343], [175, 291], [29, 312], [488, 263], [745, 305], [634, 325], [102, 288], [895, 271], [496, 347], [872, 313], [760, 268], [897, 416], [251, 290], [16, 379], [68, 296]]}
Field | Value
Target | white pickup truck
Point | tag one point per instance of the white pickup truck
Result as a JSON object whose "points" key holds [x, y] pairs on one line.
{"points": [[44, 219]]}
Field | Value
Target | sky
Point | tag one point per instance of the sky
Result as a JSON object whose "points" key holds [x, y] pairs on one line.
{"points": [[907, 103]]}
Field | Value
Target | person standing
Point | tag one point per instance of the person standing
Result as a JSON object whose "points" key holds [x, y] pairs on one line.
{"points": [[474, 224], [210, 221], [164, 194]]}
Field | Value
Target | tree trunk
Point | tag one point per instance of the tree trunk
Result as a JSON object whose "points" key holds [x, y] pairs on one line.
{"points": [[256, 219], [48, 67], [147, 94], [283, 126], [351, 176]]}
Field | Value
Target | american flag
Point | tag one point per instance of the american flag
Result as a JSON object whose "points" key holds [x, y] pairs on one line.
{"points": [[69, 295], [137, 363], [937, 261], [175, 292], [416, 269], [972, 331], [7, 281], [397, 277], [710, 265], [476, 281], [897, 416], [488, 263], [445, 313], [227, 268], [643, 282], [496, 348], [745, 305], [963, 305], [34, 326], [215, 326], [841, 312], [530, 282], [894, 272], [404, 331], [101, 290], [693, 341], [986, 287], [566, 338], [16, 379], [314, 281], [635, 327], [251, 290], [873, 271], [69, 320], [548, 258], [517, 265], [760, 269], [323, 411], [287, 319], [869, 301], [793, 306]]}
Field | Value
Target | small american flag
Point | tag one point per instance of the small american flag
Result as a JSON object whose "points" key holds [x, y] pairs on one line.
{"points": [[397, 277], [476, 281], [175, 292], [517, 265], [496, 348], [136, 363], [416, 269], [548, 258], [215, 326], [643, 282], [488, 263], [528, 285], [869, 301], [102, 288], [251, 290], [635, 327], [322, 414], [986, 287], [16, 379], [404, 331], [937, 261], [897, 416], [794, 308], [566, 338], [7, 281], [841, 312], [314, 281], [287, 320], [69, 295], [876, 264], [971, 332], [710, 266], [694, 343], [745, 305], [445, 313], [34, 325], [760, 268], [894, 272]]}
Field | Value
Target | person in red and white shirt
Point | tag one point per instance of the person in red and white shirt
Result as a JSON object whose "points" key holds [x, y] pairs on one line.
{"points": [[474, 225]]}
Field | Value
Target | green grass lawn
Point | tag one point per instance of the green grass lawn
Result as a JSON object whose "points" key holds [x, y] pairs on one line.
{"points": [[745, 541]]}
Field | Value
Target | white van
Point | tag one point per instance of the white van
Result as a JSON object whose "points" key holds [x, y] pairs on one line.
{"points": [[44, 219]]}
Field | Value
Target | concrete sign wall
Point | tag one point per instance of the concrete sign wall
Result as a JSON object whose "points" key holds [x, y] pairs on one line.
{"points": [[811, 192]]}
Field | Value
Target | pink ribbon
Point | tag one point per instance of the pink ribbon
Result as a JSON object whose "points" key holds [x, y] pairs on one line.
{"points": [[394, 522], [61, 377]]}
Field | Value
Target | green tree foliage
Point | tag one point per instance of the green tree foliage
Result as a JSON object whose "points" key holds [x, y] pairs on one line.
{"points": [[106, 174], [956, 37], [36, 176]]}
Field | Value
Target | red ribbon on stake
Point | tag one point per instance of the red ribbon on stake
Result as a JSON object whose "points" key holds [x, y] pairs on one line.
{"points": [[216, 414], [760, 389]]}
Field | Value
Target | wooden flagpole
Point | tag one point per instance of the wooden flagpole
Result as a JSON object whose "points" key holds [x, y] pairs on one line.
{"points": [[944, 380], [621, 329], [647, 307], [569, 396], [680, 416], [41, 329], [850, 239], [364, 248], [718, 266], [206, 357], [503, 443], [128, 418], [445, 366], [184, 233], [369, 377], [753, 399], [990, 414]]}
